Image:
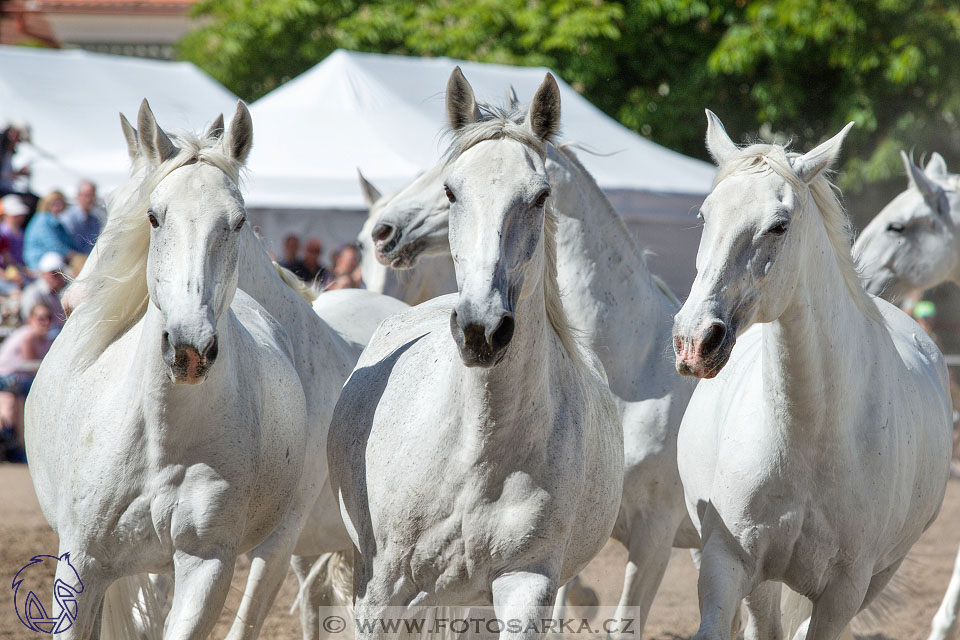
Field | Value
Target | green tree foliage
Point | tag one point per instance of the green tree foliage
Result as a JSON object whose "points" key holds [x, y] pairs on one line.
{"points": [[796, 69]]}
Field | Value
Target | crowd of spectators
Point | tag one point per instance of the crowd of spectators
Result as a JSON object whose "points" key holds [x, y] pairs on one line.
{"points": [[342, 272], [39, 250]]}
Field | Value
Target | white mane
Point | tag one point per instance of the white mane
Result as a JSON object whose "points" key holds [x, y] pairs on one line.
{"points": [[117, 284], [763, 157]]}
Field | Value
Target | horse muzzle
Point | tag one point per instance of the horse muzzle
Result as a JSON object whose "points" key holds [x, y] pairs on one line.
{"points": [[482, 344], [706, 352], [188, 363]]}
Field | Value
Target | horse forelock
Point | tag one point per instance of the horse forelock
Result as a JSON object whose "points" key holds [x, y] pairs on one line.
{"points": [[496, 123], [761, 158], [117, 284]]}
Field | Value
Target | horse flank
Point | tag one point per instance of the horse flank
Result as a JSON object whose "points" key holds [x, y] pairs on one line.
{"points": [[499, 124], [117, 284], [762, 157]]}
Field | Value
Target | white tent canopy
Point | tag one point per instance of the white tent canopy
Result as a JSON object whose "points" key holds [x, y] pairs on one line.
{"points": [[71, 98], [385, 115]]}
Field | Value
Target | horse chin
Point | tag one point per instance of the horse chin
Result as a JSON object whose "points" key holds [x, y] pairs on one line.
{"points": [[187, 379], [483, 359], [192, 374], [706, 368], [404, 256]]}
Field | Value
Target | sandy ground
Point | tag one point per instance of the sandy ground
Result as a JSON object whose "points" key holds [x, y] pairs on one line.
{"points": [[24, 532]]}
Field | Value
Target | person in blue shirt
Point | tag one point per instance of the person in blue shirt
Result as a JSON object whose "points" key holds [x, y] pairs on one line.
{"points": [[82, 220], [45, 232]]}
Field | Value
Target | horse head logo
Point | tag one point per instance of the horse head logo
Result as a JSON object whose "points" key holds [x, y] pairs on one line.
{"points": [[67, 586]]}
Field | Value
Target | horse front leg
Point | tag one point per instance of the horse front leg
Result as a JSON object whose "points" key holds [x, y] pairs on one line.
{"points": [[78, 607], [764, 607], [201, 583], [945, 621], [268, 568], [526, 597], [724, 581], [649, 542], [835, 607]]}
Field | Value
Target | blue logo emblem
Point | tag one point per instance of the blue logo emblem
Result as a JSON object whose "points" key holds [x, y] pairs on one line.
{"points": [[66, 588]]}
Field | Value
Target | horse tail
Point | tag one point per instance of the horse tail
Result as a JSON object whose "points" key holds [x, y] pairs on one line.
{"points": [[132, 609], [328, 583], [295, 283]]}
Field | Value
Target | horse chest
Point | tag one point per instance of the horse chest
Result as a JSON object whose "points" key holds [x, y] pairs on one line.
{"points": [[487, 526]]}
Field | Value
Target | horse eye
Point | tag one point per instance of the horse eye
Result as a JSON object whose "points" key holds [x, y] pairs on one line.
{"points": [[153, 219], [895, 227], [778, 229], [240, 224], [542, 198], [450, 195]]}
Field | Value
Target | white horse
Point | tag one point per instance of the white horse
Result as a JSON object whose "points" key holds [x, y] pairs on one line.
{"points": [[323, 354], [167, 427], [476, 448], [913, 243], [818, 452], [432, 276], [625, 314]]}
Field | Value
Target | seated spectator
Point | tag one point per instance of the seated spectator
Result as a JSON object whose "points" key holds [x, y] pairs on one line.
{"points": [[20, 356], [313, 271], [346, 268], [82, 220], [291, 256], [11, 228], [46, 290], [45, 233]]}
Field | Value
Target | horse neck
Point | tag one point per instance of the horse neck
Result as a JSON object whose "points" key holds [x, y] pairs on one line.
{"points": [[598, 261], [173, 412], [505, 402], [814, 354]]}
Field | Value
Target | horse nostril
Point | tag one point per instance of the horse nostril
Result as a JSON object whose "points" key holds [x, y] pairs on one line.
{"points": [[503, 333], [382, 232], [712, 338], [209, 352]]}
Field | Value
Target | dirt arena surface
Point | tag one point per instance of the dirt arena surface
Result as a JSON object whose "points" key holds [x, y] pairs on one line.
{"points": [[24, 533]]}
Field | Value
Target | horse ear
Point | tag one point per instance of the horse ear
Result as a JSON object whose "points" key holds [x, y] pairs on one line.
{"points": [[512, 100], [130, 135], [813, 162], [370, 193], [544, 115], [462, 106], [936, 168], [215, 130], [239, 139], [154, 143], [719, 144], [933, 194]]}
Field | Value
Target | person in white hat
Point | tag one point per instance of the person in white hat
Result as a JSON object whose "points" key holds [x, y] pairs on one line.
{"points": [[11, 227], [46, 288]]}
